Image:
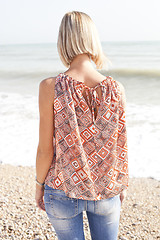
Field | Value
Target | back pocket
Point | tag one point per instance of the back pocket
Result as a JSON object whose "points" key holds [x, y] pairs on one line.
{"points": [[59, 205]]}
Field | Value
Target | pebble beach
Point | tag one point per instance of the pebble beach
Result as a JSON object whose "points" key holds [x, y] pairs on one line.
{"points": [[21, 219]]}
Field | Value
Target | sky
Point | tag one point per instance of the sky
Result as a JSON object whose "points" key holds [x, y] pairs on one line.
{"points": [[38, 21]]}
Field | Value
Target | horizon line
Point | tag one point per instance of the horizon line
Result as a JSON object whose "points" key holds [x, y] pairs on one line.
{"points": [[111, 41]]}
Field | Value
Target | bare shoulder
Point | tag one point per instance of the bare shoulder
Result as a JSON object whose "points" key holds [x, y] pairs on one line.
{"points": [[47, 83], [46, 87]]}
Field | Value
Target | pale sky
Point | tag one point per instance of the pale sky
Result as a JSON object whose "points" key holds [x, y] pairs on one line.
{"points": [[37, 21]]}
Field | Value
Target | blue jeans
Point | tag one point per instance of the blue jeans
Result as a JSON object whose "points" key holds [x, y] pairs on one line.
{"points": [[66, 215]]}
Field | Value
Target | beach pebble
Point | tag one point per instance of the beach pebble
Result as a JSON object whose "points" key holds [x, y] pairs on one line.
{"points": [[21, 219]]}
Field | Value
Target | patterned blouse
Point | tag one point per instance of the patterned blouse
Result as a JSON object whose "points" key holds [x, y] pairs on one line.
{"points": [[90, 159]]}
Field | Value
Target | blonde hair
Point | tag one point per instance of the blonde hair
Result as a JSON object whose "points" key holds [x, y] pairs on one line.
{"points": [[78, 35]]}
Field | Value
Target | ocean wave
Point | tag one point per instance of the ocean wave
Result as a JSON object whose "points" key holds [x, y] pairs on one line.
{"points": [[121, 72], [24, 74], [135, 72]]}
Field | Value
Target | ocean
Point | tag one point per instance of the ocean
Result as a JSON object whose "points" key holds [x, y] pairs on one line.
{"points": [[135, 64]]}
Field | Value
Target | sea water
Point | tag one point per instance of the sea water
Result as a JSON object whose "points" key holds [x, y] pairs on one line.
{"points": [[135, 64]]}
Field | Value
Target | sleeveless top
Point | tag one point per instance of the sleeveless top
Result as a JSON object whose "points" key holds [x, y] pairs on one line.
{"points": [[90, 159]]}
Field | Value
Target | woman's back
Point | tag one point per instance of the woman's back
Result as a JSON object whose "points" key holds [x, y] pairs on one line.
{"points": [[90, 143]]}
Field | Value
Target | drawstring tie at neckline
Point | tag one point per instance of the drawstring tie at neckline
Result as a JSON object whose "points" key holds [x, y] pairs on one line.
{"points": [[94, 96], [94, 99]]}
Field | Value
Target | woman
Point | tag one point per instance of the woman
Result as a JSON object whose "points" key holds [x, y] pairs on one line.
{"points": [[82, 156]]}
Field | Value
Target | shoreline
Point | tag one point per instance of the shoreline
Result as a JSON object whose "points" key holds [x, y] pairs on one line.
{"points": [[21, 219]]}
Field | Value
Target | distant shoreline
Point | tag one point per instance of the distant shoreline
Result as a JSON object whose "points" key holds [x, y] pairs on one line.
{"points": [[103, 42]]}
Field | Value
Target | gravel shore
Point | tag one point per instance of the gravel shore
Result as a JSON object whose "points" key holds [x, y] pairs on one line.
{"points": [[21, 219]]}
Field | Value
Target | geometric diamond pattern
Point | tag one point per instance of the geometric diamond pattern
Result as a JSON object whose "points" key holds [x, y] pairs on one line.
{"points": [[90, 161]]}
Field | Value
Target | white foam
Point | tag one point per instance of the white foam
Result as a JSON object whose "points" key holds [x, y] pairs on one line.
{"points": [[143, 130], [19, 129]]}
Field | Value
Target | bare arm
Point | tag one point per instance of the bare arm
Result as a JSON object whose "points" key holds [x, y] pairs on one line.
{"points": [[45, 148]]}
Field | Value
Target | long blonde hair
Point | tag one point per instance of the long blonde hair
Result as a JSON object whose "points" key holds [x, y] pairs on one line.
{"points": [[78, 35]]}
